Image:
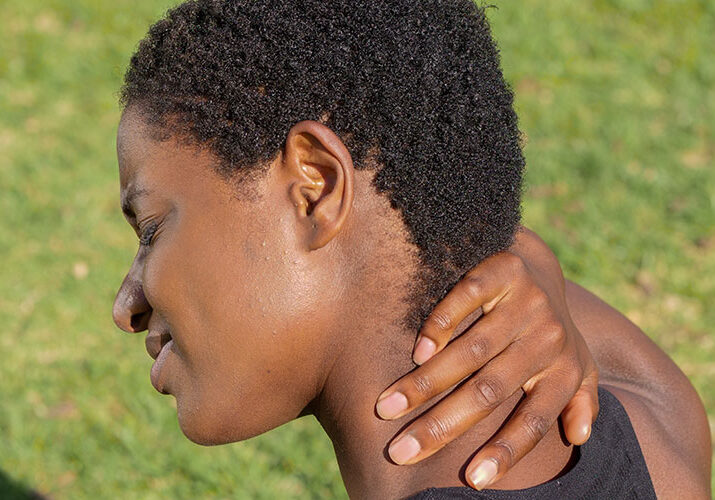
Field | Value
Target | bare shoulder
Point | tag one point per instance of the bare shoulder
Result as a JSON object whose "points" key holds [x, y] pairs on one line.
{"points": [[666, 413]]}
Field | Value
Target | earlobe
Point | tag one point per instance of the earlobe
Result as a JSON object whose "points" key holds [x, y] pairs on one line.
{"points": [[321, 172]]}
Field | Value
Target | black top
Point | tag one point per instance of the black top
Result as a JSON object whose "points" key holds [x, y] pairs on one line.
{"points": [[610, 466]]}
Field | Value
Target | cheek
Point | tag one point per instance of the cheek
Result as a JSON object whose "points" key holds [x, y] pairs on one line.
{"points": [[163, 282], [251, 361], [244, 319], [249, 310]]}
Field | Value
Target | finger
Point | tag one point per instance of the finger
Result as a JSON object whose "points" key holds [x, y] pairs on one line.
{"points": [[483, 287], [467, 405], [534, 417], [462, 357], [581, 412]]}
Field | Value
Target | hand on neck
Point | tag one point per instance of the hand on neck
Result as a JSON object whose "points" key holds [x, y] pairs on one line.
{"points": [[371, 349]]}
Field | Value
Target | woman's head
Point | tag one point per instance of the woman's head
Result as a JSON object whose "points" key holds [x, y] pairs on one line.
{"points": [[415, 86], [253, 253], [242, 297]]}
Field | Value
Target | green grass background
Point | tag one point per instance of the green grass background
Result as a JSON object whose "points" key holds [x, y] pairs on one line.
{"points": [[617, 104]]}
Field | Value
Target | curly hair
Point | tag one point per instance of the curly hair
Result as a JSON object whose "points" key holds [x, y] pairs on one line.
{"points": [[418, 82]]}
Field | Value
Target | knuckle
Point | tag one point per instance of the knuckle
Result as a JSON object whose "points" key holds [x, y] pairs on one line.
{"points": [[441, 321], [437, 429], [474, 286], [539, 299], [536, 426], [505, 452], [516, 264], [487, 392], [554, 334], [474, 351], [423, 384]]}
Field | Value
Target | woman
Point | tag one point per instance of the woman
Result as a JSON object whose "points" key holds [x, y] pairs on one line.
{"points": [[306, 181]]}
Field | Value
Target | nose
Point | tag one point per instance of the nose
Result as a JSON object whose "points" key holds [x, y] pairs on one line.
{"points": [[131, 311]]}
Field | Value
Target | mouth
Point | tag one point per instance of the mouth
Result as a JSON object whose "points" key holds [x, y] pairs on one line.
{"points": [[158, 344], [155, 342]]}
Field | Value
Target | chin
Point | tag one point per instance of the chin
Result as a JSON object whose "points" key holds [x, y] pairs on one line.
{"points": [[210, 427], [200, 436]]}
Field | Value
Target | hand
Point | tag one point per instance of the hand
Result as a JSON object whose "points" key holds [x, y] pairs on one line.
{"points": [[526, 340]]}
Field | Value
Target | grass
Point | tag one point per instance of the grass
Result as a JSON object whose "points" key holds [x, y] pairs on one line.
{"points": [[616, 103]]}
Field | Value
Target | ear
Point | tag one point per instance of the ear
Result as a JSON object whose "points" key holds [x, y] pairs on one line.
{"points": [[320, 169]]}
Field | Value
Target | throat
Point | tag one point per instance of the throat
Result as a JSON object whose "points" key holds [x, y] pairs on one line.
{"points": [[346, 410]]}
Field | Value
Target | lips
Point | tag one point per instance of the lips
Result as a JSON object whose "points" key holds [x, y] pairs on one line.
{"points": [[154, 342], [158, 344], [155, 375]]}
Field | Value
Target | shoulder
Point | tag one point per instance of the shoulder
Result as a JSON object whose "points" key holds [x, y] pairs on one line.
{"points": [[673, 434], [666, 413]]}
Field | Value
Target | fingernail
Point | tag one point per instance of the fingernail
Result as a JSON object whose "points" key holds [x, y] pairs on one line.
{"points": [[483, 474], [404, 449], [586, 431], [392, 405], [424, 350]]}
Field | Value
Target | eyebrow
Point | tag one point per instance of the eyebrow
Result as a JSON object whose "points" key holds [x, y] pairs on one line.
{"points": [[129, 199]]}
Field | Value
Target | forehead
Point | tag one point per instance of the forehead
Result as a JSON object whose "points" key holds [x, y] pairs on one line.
{"points": [[166, 167], [134, 148]]}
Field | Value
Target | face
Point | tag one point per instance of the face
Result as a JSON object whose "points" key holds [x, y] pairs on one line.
{"points": [[235, 311]]}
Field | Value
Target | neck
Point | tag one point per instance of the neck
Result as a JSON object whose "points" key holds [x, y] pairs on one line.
{"points": [[376, 357], [371, 351]]}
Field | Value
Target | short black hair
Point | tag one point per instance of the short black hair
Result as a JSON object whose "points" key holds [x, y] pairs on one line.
{"points": [[416, 82]]}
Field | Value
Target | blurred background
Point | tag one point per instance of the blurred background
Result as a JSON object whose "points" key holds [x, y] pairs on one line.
{"points": [[617, 105]]}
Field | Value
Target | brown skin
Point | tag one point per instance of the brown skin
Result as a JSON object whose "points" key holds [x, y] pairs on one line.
{"points": [[666, 412], [302, 291], [532, 325], [668, 416]]}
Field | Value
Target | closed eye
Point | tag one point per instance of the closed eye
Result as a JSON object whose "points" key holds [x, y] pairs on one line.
{"points": [[148, 233]]}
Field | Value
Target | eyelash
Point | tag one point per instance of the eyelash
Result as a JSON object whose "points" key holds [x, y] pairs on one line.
{"points": [[148, 235]]}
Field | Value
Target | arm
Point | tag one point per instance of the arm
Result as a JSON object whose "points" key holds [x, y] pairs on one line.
{"points": [[526, 340], [666, 412], [656, 394], [525, 283]]}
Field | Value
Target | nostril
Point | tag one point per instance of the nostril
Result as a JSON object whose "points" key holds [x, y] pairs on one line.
{"points": [[139, 321], [131, 311]]}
